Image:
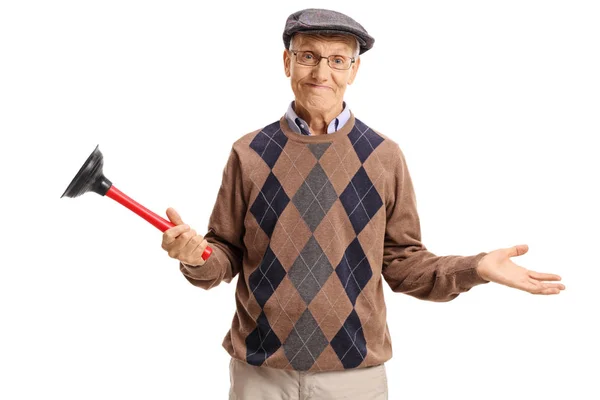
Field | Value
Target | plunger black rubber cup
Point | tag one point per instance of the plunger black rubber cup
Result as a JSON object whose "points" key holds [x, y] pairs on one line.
{"points": [[89, 178]]}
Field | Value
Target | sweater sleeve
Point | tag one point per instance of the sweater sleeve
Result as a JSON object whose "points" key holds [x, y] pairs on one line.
{"points": [[225, 232], [408, 267]]}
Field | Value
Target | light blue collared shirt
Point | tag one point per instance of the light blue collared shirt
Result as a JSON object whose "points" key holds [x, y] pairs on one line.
{"points": [[300, 126]]}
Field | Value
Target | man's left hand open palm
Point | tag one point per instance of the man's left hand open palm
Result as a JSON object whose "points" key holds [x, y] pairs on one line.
{"points": [[497, 266]]}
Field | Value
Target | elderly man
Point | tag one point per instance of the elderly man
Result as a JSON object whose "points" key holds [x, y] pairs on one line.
{"points": [[314, 211]]}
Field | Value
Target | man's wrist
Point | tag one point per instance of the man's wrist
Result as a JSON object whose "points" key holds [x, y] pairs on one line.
{"points": [[480, 268]]}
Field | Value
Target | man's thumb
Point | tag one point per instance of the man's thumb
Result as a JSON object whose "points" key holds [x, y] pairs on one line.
{"points": [[174, 216], [518, 250]]}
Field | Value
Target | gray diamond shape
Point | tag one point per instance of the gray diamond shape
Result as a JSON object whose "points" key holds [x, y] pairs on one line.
{"points": [[318, 149], [305, 343], [310, 271], [313, 210]]}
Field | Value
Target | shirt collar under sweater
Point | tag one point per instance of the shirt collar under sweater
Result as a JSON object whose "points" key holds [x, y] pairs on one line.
{"points": [[300, 126]]}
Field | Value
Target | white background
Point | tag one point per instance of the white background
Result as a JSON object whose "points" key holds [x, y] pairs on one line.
{"points": [[495, 104]]}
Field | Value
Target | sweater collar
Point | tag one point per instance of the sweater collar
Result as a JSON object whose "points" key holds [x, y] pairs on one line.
{"points": [[331, 137], [300, 126]]}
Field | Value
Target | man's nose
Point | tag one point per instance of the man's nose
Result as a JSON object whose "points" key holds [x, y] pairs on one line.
{"points": [[321, 70]]}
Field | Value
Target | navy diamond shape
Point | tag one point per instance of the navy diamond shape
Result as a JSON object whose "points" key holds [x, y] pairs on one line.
{"points": [[361, 200], [354, 270], [349, 343], [269, 143], [364, 140], [269, 204], [262, 342], [267, 277]]}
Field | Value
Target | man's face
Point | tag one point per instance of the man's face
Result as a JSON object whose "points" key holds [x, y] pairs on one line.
{"points": [[319, 88]]}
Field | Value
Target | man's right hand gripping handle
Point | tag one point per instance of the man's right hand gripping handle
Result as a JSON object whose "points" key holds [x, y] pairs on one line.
{"points": [[181, 242]]}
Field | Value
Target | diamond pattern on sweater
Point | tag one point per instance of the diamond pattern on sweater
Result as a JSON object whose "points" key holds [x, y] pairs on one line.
{"points": [[266, 278], [294, 166], [364, 140], [313, 313], [350, 344], [305, 343], [354, 270], [361, 200], [269, 204], [289, 237], [315, 197], [269, 143], [262, 342], [318, 149], [331, 306], [310, 270]]}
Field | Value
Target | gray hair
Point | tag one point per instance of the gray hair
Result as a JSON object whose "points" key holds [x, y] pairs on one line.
{"points": [[329, 36]]}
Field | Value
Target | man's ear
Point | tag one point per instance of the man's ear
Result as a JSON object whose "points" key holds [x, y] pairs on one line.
{"points": [[354, 71], [287, 60]]}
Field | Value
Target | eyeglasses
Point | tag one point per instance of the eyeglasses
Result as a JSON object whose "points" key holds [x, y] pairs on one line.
{"points": [[311, 59]]}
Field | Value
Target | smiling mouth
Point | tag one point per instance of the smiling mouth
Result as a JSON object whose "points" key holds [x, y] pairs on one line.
{"points": [[318, 86]]}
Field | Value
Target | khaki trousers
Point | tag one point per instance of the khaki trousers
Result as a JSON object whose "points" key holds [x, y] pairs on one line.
{"points": [[249, 382]]}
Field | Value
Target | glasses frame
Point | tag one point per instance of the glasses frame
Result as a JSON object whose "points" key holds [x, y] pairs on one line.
{"points": [[320, 57]]}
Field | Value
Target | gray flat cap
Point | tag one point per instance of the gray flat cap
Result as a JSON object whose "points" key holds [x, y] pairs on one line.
{"points": [[315, 20]]}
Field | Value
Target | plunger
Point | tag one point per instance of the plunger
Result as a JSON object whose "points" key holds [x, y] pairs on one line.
{"points": [[91, 179]]}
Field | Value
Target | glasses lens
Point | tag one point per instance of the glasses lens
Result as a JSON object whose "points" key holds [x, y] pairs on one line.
{"points": [[312, 59], [307, 58], [339, 62]]}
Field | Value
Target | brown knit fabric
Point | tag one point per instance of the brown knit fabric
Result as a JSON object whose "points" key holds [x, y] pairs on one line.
{"points": [[313, 225]]}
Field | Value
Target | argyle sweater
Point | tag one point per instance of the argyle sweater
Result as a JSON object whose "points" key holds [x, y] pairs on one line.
{"points": [[312, 225]]}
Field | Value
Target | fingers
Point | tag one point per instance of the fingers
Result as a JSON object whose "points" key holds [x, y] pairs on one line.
{"points": [[537, 287], [544, 277], [171, 234], [549, 291], [174, 216], [176, 248], [191, 245], [558, 286], [192, 252], [518, 250]]}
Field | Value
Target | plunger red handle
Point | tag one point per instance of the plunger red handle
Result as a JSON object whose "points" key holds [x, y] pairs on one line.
{"points": [[148, 215]]}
